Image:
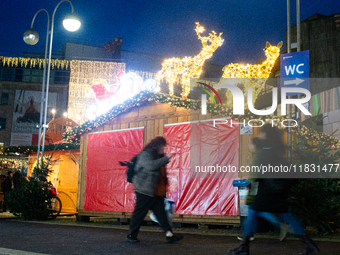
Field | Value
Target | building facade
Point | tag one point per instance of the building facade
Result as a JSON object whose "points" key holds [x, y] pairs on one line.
{"points": [[320, 34], [20, 92]]}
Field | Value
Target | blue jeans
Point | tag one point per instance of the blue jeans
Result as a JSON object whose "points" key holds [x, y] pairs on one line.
{"points": [[288, 218]]}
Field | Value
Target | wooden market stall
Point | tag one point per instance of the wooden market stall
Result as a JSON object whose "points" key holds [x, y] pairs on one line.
{"points": [[64, 176], [64, 163], [103, 190]]}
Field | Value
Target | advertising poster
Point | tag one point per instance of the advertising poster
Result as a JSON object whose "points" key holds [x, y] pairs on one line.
{"points": [[26, 116]]}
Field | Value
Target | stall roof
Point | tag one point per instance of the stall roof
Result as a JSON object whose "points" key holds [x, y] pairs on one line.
{"points": [[73, 135]]}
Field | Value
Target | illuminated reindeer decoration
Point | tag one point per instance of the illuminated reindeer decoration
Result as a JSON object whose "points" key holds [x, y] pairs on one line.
{"points": [[251, 76], [188, 67]]}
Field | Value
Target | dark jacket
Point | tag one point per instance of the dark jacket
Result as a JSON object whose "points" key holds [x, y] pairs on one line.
{"points": [[17, 179], [272, 194], [147, 172], [7, 184]]}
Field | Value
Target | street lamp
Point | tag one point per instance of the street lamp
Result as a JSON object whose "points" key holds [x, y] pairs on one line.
{"points": [[53, 112], [71, 23]]}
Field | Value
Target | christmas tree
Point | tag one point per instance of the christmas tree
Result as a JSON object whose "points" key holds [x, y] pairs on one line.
{"points": [[316, 200]]}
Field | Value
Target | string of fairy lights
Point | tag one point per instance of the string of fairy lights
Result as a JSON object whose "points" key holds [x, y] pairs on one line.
{"points": [[10, 163], [27, 149], [33, 62]]}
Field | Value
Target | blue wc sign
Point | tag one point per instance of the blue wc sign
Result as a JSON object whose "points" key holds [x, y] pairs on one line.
{"points": [[295, 70]]}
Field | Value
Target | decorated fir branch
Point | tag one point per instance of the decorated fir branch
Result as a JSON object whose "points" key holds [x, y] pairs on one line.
{"points": [[49, 147], [314, 136], [73, 135]]}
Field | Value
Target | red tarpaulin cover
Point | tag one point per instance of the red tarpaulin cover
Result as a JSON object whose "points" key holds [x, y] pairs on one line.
{"points": [[202, 144], [106, 188], [196, 144]]}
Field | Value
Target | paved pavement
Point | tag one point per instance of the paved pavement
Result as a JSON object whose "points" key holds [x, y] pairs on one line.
{"points": [[30, 238]]}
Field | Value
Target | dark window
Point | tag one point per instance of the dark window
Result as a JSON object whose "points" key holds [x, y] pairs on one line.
{"points": [[8, 74], [18, 74], [34, 75], [2, 123], [4, 99], [62, 77]]}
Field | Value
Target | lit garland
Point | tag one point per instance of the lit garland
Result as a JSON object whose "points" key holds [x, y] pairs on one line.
{"points": [[73, 135], [8, 163], [141, 99], [49, 147], [33, 62], [245, 74], [189, 67], [315, 136]]}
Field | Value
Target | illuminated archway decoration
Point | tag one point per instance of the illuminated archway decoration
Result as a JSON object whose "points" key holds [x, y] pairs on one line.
{"points": [[56, 129], [128, 86], [182, 69], [250, 76]]}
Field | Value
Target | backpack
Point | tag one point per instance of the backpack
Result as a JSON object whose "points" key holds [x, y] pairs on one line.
{"points": [[130, 168]]}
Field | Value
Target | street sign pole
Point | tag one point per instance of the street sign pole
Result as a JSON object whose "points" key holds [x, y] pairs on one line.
{"points": [[298, 40], [298, 36], [289, 106], [294, 74]]}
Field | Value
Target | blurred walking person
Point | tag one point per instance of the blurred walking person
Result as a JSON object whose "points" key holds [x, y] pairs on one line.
{"points": [[17, 179], [272, 194], [150, 183], [255, 147], [6, 187]]}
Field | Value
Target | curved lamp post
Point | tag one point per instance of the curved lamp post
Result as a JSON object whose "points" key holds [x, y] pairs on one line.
{"points": [[71, 23]]}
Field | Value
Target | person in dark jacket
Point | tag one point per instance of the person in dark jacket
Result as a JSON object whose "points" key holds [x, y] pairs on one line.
{"points": [[256, 146], [16, 179], [7, 187], [272, 194], [150, 183]]}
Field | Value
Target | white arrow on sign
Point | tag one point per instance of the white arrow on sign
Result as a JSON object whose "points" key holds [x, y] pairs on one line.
{"points": [[297, 81]]}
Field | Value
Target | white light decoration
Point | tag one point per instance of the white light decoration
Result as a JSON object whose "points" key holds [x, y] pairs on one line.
{"points": [[128, 86], [91, 112], [150, 85]]}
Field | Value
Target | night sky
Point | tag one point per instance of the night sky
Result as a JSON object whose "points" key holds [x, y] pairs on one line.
{"points": [[162, 27]]}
